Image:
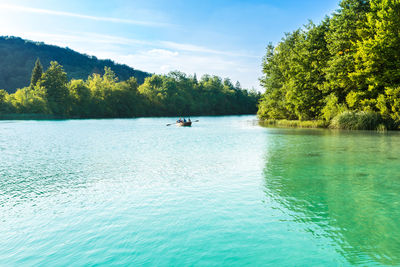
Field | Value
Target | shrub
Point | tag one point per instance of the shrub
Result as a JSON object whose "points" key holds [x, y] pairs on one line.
{"points": [[362, 120]]}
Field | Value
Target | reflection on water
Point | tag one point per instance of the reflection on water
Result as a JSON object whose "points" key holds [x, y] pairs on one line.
{"points": [[340, 185]]}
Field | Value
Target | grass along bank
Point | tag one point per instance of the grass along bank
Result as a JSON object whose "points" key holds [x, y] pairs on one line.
{"points": [[347, 120], [295, 123]]}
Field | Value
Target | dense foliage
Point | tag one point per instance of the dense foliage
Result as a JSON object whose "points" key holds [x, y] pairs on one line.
{"points": [[18, 57], [175, 94], [348, 64]]}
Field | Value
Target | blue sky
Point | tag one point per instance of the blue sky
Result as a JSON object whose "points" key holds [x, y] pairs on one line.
{"points": [[221, 37]]}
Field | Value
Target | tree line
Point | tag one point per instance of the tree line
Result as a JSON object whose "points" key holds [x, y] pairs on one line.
{"points": [[103, 96], [347, 66]]}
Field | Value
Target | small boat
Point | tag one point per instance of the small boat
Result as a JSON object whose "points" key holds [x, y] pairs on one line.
{"points": [[182, 123], [186, 123]]}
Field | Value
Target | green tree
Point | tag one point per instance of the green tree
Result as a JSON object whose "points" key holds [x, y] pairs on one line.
{"points": [[154, 92], [238, 86], [81, 98], [26, 100], [388, 104], [195, 78], [341, 38], [36, 73], [293, 75], [273, 102], [54, 82], [378, 52], [5, 105], [126, 100]]}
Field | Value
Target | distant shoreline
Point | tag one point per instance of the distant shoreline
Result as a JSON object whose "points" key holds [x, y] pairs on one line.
{"points": [[4, 117]]}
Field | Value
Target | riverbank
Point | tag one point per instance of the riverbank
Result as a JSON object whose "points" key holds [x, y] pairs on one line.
{"points": [[347, 120], [319, 124], [30, 116], [295, 123]]}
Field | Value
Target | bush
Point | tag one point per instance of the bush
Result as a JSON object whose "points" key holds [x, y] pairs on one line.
{"points": [[362, 120]]}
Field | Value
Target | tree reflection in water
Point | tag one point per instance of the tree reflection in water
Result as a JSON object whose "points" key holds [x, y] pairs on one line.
{"points": [[340, 185]]}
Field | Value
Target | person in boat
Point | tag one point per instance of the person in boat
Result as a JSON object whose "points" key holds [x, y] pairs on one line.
{"points": [[178, 121], [184, 120], [189, 120]]}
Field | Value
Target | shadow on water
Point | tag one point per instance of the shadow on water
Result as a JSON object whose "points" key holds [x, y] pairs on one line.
{"points": [[343, 186]]}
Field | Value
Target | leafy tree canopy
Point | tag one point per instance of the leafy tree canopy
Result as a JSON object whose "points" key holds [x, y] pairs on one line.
{"points": [[349, 61]]}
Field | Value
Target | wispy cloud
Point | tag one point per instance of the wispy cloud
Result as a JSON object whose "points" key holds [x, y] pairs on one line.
{"points": [[89, 37], [200, 49], [166, 45], [82, 16]]}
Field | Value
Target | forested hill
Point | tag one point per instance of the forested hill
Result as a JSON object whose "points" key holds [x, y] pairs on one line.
{"points": [[18, 57]]}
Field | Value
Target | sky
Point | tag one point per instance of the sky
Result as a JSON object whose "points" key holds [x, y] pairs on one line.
{"points": [[227, 38]]}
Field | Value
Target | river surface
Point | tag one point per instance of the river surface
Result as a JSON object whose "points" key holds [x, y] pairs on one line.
{"points": [[225, 192]]}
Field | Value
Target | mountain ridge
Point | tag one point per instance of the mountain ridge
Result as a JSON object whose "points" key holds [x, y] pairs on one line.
{"points": [[18, 57]]}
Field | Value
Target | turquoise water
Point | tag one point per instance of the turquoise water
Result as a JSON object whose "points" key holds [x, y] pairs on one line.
{"points": [[223, 192]]}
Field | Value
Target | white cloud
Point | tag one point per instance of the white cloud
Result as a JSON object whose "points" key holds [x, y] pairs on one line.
{"points": [[162, 53], [81, 16], [200, 49]]}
